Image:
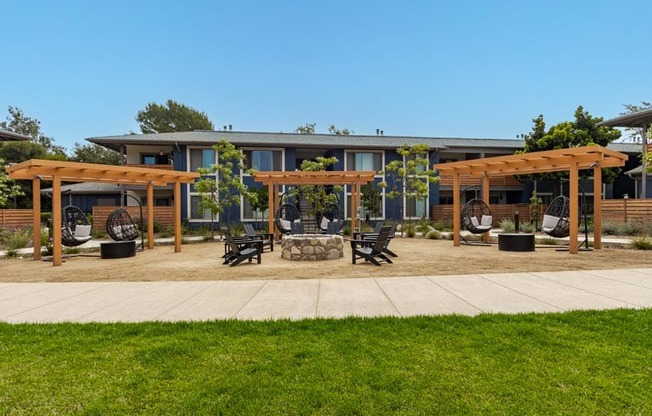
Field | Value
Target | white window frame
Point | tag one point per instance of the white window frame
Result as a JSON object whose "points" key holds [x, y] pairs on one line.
{"points": [[190, 193], [243, 175], [427, 198], [347, 191]]}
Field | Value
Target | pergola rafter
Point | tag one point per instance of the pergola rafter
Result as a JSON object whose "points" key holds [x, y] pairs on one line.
{"points": [[572, 160], [273, 180], [37, 170]]}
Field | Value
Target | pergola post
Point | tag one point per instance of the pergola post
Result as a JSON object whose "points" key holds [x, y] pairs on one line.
{"points": [[456, 210], [270, 207], [643, 164], [573, 195], [36, 217], [56, 220], [150, 216], [485, 199], [177, 216], [597, 207], [272, 210]]}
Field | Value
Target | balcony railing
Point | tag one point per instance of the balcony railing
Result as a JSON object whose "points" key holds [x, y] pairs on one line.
{"points": [[466, 180], [136, 165]]}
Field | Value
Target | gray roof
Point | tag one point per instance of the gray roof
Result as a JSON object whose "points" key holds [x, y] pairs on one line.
{"points": [[635, 172], [88, 188], [7, 136], [205, 138], [637, 119]]}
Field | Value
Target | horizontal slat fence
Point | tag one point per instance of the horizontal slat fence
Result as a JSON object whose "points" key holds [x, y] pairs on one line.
{"points": [[162, 215], [627, 210], [498, 212], [13, 218]]}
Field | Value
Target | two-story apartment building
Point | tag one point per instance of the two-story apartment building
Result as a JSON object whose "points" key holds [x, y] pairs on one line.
{"points": [[187, 151]]}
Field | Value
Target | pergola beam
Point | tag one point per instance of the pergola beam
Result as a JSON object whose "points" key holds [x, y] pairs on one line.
{"points": [[275, 179], [37, 170], [572, 160]]}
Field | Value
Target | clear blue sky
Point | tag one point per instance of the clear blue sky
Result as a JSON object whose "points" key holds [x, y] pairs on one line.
{"points": [[418, 68]]}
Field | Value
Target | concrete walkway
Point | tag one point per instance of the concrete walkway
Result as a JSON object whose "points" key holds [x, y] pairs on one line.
{"points": [[298, 299]]}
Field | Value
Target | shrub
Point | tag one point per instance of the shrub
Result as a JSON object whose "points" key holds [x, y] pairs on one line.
{"points": [[433, 235], [346, 230], [631, 228], [71, 250], [609, 228], [11, 254], [439, 225], [423, 227], [526, 227], [411, 231], [549, 241], [99, 234], [642, 243], [507, 225], [19, 238]]}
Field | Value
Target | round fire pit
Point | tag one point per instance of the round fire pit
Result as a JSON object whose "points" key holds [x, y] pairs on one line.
{"points": [[312, 247]]}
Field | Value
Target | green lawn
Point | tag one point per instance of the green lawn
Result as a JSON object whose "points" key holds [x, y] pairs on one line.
{"points": [[580, 362]]}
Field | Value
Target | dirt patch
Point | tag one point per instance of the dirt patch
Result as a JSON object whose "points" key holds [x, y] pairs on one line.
{"points": [[417, 257]]}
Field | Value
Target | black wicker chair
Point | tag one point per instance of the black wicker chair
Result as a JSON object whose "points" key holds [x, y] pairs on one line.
{"points": [[330, 214], [285, 216], [555, 220], [75, 228], [120, 226], [476, 216]]}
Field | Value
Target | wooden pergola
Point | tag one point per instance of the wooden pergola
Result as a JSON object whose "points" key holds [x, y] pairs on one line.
{"points": [[355, 179], [572, 160], [37, 170]]}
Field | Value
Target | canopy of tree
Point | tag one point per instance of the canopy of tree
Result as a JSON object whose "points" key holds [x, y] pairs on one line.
{"points": [[583, 131], [170, 117]]}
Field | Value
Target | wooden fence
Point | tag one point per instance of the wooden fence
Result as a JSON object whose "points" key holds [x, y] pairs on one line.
{"points": [[627, 210], [12, 218], [498, 212], [162, 215]]}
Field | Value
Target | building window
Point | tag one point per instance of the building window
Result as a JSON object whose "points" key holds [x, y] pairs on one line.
{"points": [[416, 208], [264, 160], [248, 212], [195, 212], [148, 159], [364, 161], [201, 158]]}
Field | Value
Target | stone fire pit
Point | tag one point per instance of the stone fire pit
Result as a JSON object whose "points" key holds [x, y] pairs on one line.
{"points": [[312, 247]]}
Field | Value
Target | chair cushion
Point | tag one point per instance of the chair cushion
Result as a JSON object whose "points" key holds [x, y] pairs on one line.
{"points": [[474, 221], [285, 224], [324, 223], [82, 230], [549, 222], [487, 220]]}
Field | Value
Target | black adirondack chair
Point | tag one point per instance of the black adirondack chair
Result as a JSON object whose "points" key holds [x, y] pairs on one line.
{"points": [[373, 236], [266, 238], [372, 250], [238, 251]]}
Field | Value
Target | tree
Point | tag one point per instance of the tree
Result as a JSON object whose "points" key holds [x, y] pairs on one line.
{"points": [[16, 152], [219, 196], [8, 188], [343, 132], [93, 153], [261, 201], [170, 117], [20, 123], [317, 196], [310, 128], [410, 176], [371, 198], [583, 131]]}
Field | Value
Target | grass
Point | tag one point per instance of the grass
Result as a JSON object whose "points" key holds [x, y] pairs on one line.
{"points": [[642, 243], [572, 363]]}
